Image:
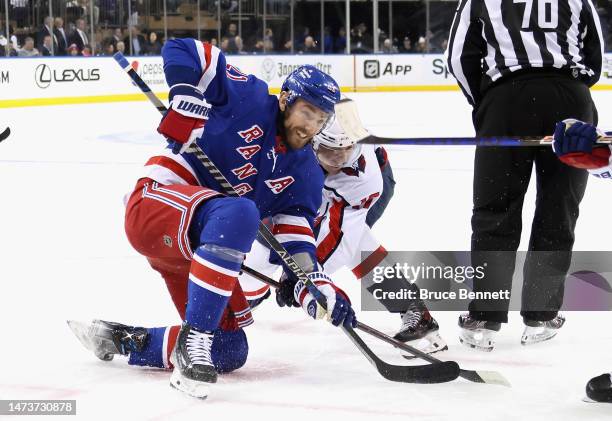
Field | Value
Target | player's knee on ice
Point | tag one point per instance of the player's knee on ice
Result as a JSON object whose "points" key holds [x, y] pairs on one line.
{"points": [[229, 222], [229, 350]]}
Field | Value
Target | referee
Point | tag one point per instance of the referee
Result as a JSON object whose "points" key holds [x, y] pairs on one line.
{"points": [[524, 65]]}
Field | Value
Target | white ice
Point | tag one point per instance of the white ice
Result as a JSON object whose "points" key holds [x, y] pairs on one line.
{"points": [[64, 255]]}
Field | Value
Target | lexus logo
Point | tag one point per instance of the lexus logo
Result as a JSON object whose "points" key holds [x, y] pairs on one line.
{"points": [[42, 76]]}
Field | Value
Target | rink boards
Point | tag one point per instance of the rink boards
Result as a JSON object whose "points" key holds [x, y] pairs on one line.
{"points": [[56, 80]]}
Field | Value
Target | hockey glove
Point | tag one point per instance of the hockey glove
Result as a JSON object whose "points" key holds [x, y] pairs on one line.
{"points": [[574, 144], [183, 123], [339, 310], [284, 294]]}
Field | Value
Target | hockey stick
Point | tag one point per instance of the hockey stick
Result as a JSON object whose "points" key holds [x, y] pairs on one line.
{"points": [[348, 117], [5, 134], [430, 373], [480, 376]]}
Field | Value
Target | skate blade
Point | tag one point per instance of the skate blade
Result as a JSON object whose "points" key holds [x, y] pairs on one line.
{"points": [[537, 338], [86, 335], [485, 344], [190, 387], [429, 344]]}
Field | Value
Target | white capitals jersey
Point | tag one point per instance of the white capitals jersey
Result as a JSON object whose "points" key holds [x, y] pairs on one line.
{"points": [[342, 230]]}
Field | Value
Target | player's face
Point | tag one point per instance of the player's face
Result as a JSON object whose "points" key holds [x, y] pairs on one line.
{"points": [[302, 122], [333, 159]]}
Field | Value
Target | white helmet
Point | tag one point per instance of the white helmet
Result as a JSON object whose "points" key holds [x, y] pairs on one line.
{"points": [[333, 147]]}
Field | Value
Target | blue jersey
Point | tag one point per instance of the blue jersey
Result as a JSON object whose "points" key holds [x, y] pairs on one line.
{"points": [[242, 139]]}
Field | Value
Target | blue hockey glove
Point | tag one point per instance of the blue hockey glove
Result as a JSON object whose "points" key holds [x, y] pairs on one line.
{"points": [[339, 310], [575, 145]]}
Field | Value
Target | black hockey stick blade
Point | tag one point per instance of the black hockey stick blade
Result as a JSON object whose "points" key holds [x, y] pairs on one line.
{"points": [[489, 377], [441, 372], [5, 134]]}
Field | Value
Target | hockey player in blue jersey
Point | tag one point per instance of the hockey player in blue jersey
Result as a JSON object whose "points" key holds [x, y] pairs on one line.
{"points": [[194, 236]]}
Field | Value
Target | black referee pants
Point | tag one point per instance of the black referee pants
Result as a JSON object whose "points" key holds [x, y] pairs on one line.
{"points": [[529, 104]]}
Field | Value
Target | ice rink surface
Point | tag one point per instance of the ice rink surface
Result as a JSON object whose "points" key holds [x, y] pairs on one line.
{"points": [[64, 255]]}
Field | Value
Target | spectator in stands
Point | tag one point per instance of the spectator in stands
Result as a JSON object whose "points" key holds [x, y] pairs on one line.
{"points": [[46, 47], [213, 41], [239, 44], [152, 47], [421, 46], [258, 48], [6, 45], [46, 29], [310, 46], [86, 52], [224, 44], [28, 49], [120, 47], [406, 45], [118, 37], [86, 7], [340, 42], [108, 48], [361, 40], [388, 47], [135, 49], [328, 41], [287, 47], [269, 40], [73, 50], [79, 36], [232, 30], [61, 38]]}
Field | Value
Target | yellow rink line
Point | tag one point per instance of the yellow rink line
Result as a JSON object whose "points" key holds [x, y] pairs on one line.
{"points": [[95, 99]]}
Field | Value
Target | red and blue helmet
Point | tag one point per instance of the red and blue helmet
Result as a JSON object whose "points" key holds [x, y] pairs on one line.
{"points": [[314, 86]]}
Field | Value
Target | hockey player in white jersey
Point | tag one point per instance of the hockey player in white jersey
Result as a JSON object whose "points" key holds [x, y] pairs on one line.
{"points": [[575, 145], [357, 189]]}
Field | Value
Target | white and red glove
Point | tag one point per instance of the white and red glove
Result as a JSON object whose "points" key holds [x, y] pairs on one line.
{"points": [[575, 145], [184, 121], [339, 310]]}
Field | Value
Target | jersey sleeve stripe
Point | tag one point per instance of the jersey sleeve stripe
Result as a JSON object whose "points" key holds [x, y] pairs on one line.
{"points": [[175, 167], [292, 229], [332, 240], [209, 57], [370, 262]]}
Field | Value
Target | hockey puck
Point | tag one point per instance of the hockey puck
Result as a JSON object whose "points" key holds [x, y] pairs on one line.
{"points": [[599, 388]]}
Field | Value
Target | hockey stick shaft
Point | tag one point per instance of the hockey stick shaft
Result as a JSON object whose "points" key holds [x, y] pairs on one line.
{"points": [[442, 372], [348, 116], [471, 375]]}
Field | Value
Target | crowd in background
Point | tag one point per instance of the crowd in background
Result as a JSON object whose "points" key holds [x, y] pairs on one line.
{"points": [[72, 36]]}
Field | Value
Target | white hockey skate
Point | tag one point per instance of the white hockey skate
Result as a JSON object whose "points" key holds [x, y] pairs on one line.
{"points": [[478, 334], [536, 331], [105, 339], [194, 371], [421, 331]]}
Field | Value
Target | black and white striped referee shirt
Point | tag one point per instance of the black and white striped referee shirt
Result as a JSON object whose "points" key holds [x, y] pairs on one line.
{"points": [[490, 39]]}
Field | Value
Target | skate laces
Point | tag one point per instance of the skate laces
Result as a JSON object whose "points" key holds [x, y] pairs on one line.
{"points": [[199, 346], [410, 320]]}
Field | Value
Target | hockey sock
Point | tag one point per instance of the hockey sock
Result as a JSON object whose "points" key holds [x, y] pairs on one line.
{"points": [[212, 277], [157, 351]]}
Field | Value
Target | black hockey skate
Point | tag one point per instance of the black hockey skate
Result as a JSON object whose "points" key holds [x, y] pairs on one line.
{"points": [[536, 331], [421, 331], [193, 367], [106, 339], [478, 334], [599, 389]]}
